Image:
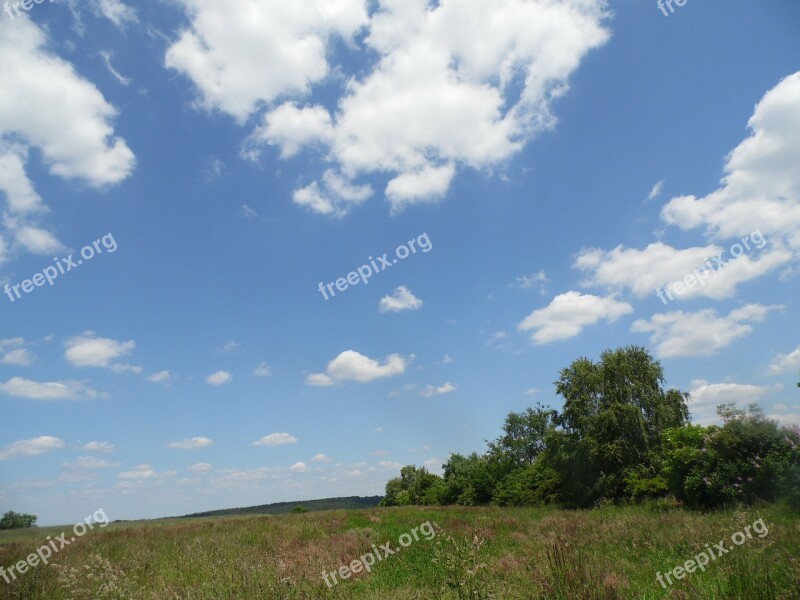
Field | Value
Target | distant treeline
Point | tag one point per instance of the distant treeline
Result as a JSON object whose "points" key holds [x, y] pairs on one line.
{"points": [[620, 437], [282, 508]]}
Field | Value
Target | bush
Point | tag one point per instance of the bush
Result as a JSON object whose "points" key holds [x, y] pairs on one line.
{"points": [[12, 520]]}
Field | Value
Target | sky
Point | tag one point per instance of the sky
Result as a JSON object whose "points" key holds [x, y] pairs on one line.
{"points": [[258, 251]]}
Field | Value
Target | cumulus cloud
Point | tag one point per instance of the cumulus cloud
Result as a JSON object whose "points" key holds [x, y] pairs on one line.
{"points": [[699, 333], [276, 439], [201, 467], [89, 462], [761, 185], [333, 196], [103, 447], [160, 377], [20, 387], [402, 299], [262, 370], [432, 390], [240, 55], [32, 447], [450, 85], [138, 472], [352, 366], [64, 117], [705, 397], [457, 83], [644, 271], [783, 363], [321, 458], [88, 350], [116, 11], [299, 467], [194, 443], [13, 352], [568, 314], [219, 378]]}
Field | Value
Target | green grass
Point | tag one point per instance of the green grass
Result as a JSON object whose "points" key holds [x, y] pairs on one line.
{"points": [[506, 554]]}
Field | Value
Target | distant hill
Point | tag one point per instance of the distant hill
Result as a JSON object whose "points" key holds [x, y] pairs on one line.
{"points": [[282, 508]]}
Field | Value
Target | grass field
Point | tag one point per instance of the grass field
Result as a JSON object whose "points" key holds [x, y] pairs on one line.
{"points": [[606, 553]]}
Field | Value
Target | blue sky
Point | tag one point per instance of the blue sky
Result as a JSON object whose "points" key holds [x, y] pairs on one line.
{"points": [[555, 163]]}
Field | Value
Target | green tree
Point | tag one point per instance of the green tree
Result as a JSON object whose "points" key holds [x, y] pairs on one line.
{"points": [[615, 412], [414, 486], [12, 520]]}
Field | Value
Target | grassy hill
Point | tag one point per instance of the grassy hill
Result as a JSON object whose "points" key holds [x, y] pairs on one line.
{"points": [[282, 508], [475, 553]]}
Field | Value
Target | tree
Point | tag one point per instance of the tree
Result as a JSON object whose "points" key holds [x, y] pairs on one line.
{"points": [[524, 435], [299, 510], [615, 412], [12, 520], [414, 486]]}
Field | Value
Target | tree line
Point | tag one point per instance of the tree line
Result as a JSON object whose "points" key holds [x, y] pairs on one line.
{"points": [[619, 437]]}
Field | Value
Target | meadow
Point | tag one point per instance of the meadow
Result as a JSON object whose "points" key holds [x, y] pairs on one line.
{"points": [[610, 552]]}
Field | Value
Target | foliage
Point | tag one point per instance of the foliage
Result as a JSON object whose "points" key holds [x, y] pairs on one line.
{"points": [[299, 510], [13, 520], [621, 436]]}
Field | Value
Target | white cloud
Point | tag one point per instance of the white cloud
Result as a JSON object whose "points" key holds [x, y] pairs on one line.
{"points": [[434, 465], [705, 397], [116, 11], [785, 362], [447, 359], [61, 114], [138, 472], [276, 439], [262, 370], [19, 387], [761, 186], [299, 467], [89, 462], [231, 347], [402, 299], [37, 241], [103, 447], [219, 378], [700, 333], [106, 56], [569, 313], [247, 212], [432, 390], [656, 191], [321, 458], [352, 366], [788, 420], [333, 196], [13, 352], [459, 83], [645, 271], [88, 350], [291, 128], [389, 465], [534, 280], [160, 377], [32, 447], [240, 55], [201, 467], [194, 443]]}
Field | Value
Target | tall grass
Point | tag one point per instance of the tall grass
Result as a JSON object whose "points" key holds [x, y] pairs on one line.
{"points": [[478, 553]]}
